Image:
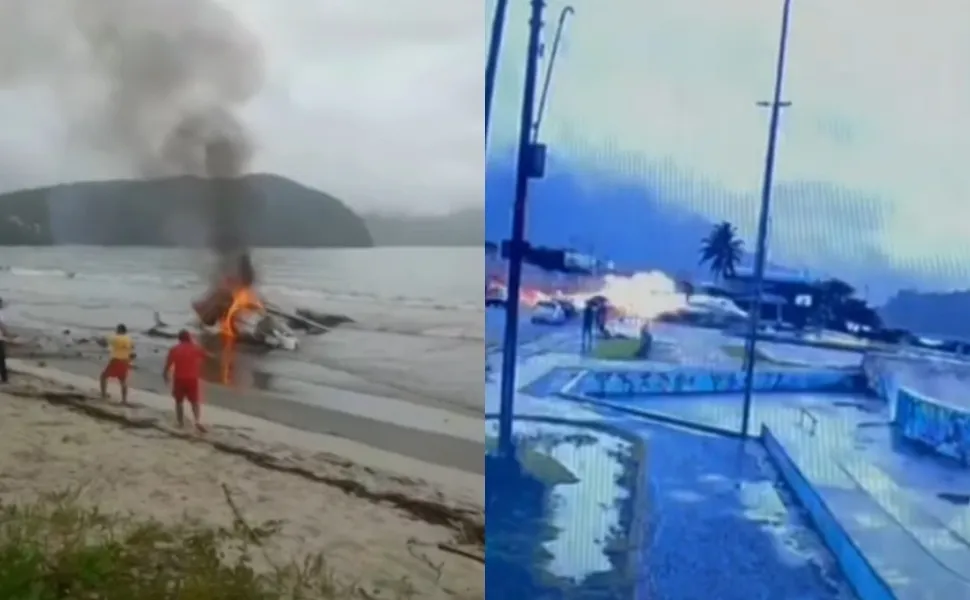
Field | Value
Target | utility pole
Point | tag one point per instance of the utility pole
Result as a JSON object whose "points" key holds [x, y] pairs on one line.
{"points": [[531, 157], [775, 105]]}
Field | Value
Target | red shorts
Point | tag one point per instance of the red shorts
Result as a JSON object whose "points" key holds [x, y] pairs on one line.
{"points": [[187, 389], [117, 369]]}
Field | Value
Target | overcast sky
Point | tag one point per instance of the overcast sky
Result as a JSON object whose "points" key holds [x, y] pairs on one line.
{"points": [[873, 153], [379, 102]]}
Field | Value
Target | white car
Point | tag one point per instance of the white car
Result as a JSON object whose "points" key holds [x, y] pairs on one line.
{"points": [[495, 294], [548, 312]]}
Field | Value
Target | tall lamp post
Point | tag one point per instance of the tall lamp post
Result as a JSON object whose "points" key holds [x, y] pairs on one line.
{"points": [[563, 15], [775, 105], [529, 165], [491, 62]]}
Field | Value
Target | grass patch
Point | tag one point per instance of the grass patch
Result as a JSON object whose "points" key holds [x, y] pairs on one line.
{"points": [[616, 349], [57, 549], [540, 465], [738, 353]]}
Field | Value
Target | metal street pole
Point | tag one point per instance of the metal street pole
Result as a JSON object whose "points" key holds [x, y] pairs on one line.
{"points": [[491, 62], [761, 246], [527, 168], [566, 11]]}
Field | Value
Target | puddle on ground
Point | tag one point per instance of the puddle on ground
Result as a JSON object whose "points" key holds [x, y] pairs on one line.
{"points": [[955, 499], [563, 521]]}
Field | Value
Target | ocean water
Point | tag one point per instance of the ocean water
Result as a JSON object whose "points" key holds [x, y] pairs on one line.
{"points": [[93, 288], [419, 313]]}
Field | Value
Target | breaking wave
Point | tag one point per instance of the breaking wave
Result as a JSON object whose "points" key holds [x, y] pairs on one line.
{"points": [[189, 281]]}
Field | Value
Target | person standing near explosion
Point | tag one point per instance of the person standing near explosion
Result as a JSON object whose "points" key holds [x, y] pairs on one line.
{"points": [[122, 351], [183, 367], [589, 315], [4, 336]]}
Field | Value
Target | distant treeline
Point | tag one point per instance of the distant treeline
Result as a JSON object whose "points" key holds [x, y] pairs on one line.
{"points": [[265, 210]]}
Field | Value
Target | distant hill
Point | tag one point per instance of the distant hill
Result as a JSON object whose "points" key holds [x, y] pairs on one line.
{"points": [[269, 210], [618, 221], [460, 228], [941, 314], [629, 222]]}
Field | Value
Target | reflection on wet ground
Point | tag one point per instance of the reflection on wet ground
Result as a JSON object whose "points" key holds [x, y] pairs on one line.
{"points": [[654, 513], [720, 528]]}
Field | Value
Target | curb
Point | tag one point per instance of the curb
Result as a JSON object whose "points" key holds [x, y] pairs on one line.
{"points": [[861, 575], [652, 416]]}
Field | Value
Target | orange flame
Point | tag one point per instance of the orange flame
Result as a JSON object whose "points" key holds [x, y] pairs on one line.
{"points": [[243, 299]]}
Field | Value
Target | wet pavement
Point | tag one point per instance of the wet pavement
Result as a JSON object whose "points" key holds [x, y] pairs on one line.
{"points": [[568, 523], [715, 522], [905, 508]]}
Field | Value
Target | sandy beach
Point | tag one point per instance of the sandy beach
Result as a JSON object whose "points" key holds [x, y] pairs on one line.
{"points": [[414, 395], [377, 526]]}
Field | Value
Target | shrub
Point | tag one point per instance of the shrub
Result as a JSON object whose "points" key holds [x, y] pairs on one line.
{"points": [[55, 548]]}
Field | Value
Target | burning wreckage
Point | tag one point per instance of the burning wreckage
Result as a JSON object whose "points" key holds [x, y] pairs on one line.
{"points": [[231, 308], [238, 314]]}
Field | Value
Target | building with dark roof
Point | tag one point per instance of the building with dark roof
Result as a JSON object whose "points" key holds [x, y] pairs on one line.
{"points": [[786, 296]]}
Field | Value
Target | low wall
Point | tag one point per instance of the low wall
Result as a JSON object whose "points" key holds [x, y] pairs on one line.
{"points": [[943, 428], [867, 584], [879, 377], [628, 383], [795, 340]]}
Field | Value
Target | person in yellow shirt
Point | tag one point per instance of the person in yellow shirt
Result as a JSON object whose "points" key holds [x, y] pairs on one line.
{"points": [[122, 351]]}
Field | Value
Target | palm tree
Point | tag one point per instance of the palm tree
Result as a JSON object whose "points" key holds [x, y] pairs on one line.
{"points": [[721, 250]]}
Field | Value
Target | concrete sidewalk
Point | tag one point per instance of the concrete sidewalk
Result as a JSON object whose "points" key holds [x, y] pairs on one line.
{"points": [[705, 492]]}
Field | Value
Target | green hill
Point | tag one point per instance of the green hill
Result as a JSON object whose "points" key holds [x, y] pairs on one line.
{"points": [[266, 210]]}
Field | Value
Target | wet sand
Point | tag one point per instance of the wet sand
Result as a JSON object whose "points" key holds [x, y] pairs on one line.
{"points": [[378, 531], [410, 434], [416, 395]]}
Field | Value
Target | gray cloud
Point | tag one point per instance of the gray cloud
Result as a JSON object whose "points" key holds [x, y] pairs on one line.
{"points": [[375, 102]]}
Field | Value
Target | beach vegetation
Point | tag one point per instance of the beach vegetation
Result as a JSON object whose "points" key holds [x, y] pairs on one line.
{"points": [[56, 548], [739, 352], [722, 250], [536, 462], [617, 349]]}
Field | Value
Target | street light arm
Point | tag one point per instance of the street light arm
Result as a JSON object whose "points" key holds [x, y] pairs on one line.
{"points": [[566, 12]]}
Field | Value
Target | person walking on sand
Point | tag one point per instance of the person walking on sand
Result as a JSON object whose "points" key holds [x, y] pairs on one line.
{"points": [[4, 336], [183, 368], [122, 351]]}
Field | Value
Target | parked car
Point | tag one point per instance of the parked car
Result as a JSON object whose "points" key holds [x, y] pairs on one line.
{"points": [[548, 312], [495, 294]]}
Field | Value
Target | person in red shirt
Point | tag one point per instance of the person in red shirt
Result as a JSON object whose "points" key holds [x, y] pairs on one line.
{"points": [[183, 368]]}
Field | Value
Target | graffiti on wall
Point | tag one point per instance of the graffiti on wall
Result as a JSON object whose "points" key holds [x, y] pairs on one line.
{"points": [[944, 430], [681, 381]]}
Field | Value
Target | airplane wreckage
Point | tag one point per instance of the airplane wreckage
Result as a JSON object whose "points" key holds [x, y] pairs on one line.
{"points": [[238, 314]]}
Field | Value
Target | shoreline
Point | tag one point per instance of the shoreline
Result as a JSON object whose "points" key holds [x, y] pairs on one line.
{"points": [[362, 391], [379, 524], [324, 457]]}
